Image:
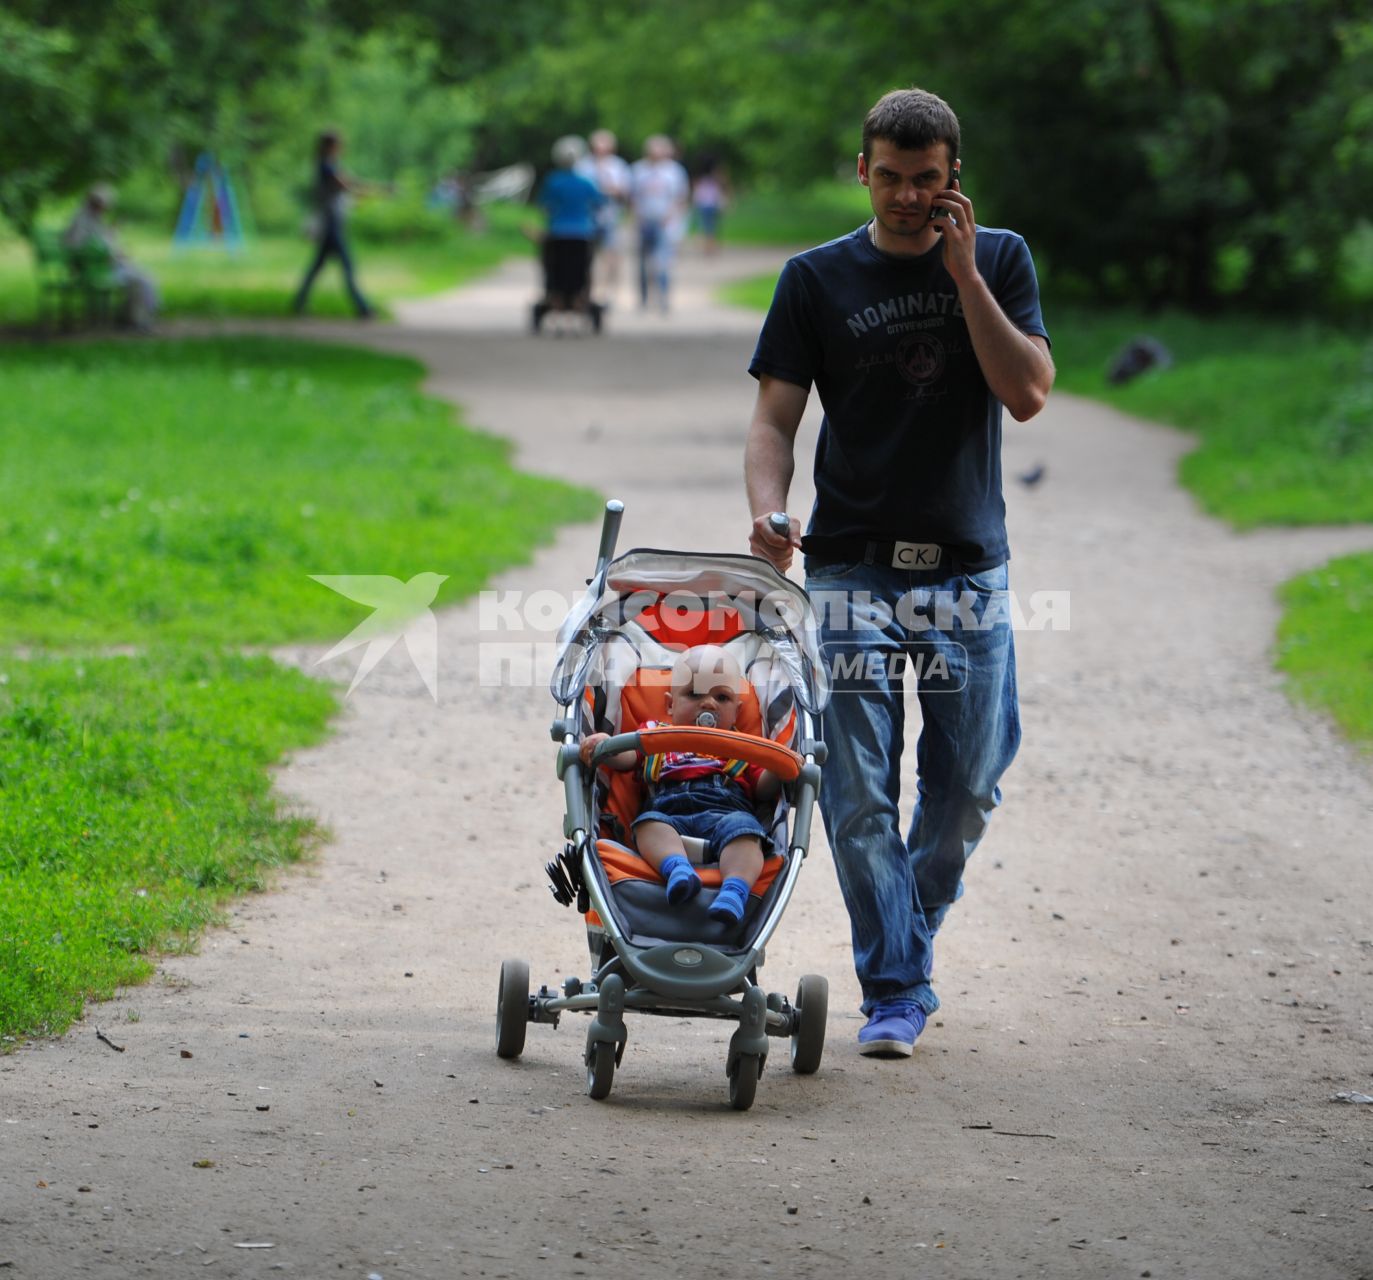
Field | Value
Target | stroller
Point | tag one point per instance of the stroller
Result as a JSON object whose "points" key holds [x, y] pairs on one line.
{"points": [[616, 651], [567, 282]]}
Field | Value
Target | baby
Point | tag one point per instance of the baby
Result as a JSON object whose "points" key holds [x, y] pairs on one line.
{"points": [[699, 795]]}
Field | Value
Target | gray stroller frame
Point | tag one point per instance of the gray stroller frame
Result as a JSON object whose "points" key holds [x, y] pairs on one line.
{"points": [[646, 957]]}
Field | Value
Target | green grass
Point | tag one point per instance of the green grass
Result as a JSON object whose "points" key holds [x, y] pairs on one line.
{"points": [[1283, 411], [175, 497], [186, 491], [754, 293], [262, 278], [796, 219], [134, 800], [1325, 641]]}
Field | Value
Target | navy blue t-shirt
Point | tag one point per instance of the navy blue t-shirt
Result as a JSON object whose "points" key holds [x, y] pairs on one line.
{"points": [[910, 446]]}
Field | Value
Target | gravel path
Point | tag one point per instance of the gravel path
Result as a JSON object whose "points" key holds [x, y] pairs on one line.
{"points": [[1159, 977]]}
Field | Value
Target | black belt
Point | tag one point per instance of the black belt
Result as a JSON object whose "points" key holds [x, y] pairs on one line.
{"points": [[895, 555]]}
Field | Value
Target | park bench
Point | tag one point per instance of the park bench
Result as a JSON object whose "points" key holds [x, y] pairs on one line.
{"points": [[76, 286]]}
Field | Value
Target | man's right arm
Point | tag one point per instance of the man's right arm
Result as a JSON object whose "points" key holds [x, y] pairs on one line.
{"points": [[770, 462]]}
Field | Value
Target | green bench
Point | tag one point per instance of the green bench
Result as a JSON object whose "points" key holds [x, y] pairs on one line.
{"points": [[76, 286]]}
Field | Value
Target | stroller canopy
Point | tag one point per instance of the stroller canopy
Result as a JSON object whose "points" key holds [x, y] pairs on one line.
{"points": [[676, 590]]}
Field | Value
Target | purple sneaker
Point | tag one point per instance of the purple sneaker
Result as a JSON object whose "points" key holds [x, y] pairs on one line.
{"points": [[893, 1026]]}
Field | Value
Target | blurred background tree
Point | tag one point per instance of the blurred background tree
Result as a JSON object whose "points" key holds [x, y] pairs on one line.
{"points": [[1153, 151]]}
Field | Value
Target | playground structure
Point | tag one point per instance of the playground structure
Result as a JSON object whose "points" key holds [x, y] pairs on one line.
{"points": [[210, 214]]}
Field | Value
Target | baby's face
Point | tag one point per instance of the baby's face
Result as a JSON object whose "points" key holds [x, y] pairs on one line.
{"points": [[686, 703]]}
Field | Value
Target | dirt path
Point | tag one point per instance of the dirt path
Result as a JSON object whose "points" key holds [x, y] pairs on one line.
{"points": [[1158, 978]]}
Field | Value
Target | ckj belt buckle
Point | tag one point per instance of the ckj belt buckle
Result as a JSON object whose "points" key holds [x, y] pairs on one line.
{"points": [[916, 555]]}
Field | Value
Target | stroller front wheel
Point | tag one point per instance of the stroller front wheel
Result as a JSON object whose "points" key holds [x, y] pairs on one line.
{"points": [[600, 1069], [512, 1009], [743, 1081], [812, 1010]]}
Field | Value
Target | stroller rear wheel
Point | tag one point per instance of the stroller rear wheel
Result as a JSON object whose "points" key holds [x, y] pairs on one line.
{"points": [[743, 1081], [808, 1038], [512, 1009], [600, 1069]]}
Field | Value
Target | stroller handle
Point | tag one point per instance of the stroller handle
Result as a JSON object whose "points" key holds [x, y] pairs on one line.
{"points": [[724, 744], [610, 533]]}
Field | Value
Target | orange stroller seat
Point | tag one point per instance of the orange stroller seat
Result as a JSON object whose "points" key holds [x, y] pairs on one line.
{"points": [[644, 697]]}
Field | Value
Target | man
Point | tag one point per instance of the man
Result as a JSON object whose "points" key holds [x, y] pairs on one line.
{"points": [[659, 191], [610, 172], [915, 330]]}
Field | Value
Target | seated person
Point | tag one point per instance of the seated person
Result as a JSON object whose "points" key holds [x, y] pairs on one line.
{"points": [[90, 225], [700, 796]]}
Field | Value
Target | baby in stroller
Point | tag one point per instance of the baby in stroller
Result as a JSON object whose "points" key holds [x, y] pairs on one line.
{"points": [[701, 796]]}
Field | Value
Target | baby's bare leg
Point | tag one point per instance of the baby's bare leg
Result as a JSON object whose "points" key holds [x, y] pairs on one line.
{"points": [[656, 841], [661, 847], [742, 858], [741, 861]]}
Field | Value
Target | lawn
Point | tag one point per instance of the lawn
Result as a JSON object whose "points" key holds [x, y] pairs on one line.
{"points": [[261, 279], [174, 498], [187, 490], [135, 799]]}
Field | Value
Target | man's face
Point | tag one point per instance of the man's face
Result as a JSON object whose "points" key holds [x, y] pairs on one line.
{"points": [[706, 692], [901, 185]]}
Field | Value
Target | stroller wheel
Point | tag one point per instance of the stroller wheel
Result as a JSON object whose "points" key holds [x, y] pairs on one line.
{"points": [[512, 1009], [536, 315], [743, 1081], [600, 1069], [808, 1037]]}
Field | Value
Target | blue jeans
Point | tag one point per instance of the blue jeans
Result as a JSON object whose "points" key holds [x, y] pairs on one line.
{"points": [[655, 258], [952, 631], [331, 245]]}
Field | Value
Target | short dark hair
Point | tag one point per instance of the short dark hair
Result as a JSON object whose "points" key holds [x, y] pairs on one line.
{"points": [[912, 120]]}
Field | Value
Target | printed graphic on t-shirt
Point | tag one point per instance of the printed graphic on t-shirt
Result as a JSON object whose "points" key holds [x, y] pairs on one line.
{"points": [[920, 359]]}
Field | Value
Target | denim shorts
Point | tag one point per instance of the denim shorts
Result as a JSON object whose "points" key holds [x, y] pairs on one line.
{"points": [[708, 809]]}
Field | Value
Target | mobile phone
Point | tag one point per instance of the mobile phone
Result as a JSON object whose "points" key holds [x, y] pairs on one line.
{"points": [[954, 185]]}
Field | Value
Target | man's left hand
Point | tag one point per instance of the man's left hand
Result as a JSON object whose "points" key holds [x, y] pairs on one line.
{"points": [[959, 230]]}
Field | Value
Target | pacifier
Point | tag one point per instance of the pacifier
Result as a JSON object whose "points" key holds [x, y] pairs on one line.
{"points": [[706, 720]]}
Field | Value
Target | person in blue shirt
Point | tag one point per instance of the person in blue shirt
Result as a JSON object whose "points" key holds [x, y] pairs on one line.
{"points": [[915, 330], [571, 203]]}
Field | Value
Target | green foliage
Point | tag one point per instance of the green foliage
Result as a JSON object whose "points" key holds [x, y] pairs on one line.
{"points": [[187, 491], [799, 218], [398, 118], [1164, 151], [1325, 642], [134, 799]]}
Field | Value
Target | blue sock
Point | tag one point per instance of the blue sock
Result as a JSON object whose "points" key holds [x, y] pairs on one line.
{"points": [[730, 902], [683, 883]]}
